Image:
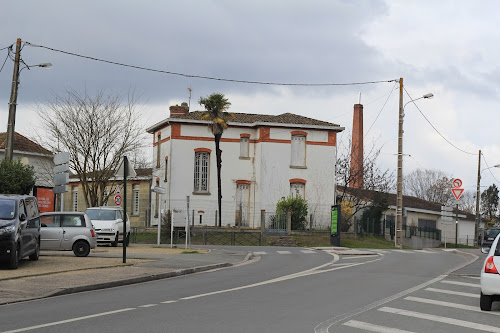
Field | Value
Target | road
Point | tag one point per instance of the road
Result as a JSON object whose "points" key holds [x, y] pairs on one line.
{"points": [[283, 290]]}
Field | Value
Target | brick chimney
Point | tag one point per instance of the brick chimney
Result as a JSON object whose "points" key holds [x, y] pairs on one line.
{"points": [[178, 110], [357, 148]]}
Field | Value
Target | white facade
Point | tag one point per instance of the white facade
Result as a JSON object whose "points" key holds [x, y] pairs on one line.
{"points": [[257, 169]]}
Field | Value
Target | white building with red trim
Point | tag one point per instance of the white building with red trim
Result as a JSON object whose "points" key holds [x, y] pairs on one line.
{"points": [[264, 158]]}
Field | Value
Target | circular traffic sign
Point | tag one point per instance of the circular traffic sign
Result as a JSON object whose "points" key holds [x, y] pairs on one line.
{"points": [[118, 200], [457, 183]]}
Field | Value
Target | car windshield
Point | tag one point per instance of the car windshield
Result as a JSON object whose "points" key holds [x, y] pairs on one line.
{"points": [[492, 232], [101, 214], [7, 209]]}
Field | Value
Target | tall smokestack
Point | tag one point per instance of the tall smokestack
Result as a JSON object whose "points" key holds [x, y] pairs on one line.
{"points": [[357, 173]]}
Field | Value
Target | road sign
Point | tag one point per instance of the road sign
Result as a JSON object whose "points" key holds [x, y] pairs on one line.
{"points": [[120, 170], [61, 178], [60, 189], [118, 190], [159, 190], [118, 200], [457, 191], [61, 158]]}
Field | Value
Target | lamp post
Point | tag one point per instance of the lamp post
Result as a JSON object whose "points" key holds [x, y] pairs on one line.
{"points": [[479, 171], [398, 239], [9, 140]]}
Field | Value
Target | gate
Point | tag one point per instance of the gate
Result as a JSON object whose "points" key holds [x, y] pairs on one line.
{"points": [[275, 223]]}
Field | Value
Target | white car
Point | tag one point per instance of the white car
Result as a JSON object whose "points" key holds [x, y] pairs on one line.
{"points": [[490, 277], [108, 224]]}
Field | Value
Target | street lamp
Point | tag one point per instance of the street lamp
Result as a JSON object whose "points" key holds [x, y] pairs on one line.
{"points": [[479, 171], [9, 140], [398, 239]]}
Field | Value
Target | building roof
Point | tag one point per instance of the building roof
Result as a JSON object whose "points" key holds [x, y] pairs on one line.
{"points": [[249, 118], [22, 143], [408, 201]]}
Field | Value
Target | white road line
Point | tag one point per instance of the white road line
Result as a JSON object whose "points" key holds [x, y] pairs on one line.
{"points": [[380, 251], [168, 302], [466, 284], [452, 292], [307, 251], [259, 253], [68, 321], [472, 277], [445, 320], [424, 251], [147, 305], [401, 251], [450, 305], [284, 252], [357, 256], [373, 328]]}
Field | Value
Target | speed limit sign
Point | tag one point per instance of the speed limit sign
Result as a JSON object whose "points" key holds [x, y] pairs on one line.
{"points": [[118, 200]]}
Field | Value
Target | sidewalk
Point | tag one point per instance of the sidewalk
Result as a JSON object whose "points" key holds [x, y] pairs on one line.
{"points": [[60, 272]]}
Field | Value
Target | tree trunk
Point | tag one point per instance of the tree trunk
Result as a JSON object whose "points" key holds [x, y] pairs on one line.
{"points": [[218, 154]]}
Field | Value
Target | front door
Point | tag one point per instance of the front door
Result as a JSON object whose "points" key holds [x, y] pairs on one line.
{"points": [[51, 232], [242, 204]]}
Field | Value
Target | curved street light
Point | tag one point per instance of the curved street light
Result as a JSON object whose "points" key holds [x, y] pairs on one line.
{"points": [[9, 140], [478, 195]]}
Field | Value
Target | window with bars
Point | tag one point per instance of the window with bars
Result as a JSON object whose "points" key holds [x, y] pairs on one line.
{"points": [[74, 203], [135, 199], [201, 171], [158, 151], [298, 190], [298, 151], [166, 168]]}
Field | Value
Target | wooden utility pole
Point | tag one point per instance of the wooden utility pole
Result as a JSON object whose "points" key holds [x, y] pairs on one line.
{"points": [[477, 200], [9, 141], [398, 239]]}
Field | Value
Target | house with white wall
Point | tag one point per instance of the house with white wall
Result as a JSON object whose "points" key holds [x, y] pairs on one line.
{"points": [[264, 158]]}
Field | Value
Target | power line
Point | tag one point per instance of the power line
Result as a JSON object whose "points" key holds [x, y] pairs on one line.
{"points": [[7, 57], [383, 106], [489, 168], [463, 151], [207, 77]]}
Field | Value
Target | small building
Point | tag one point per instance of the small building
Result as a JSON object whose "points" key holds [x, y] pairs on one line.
{"points": [[138, 196], [41, 159], [264, 158]]}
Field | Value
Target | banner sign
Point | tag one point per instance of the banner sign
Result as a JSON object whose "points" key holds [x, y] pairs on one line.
{"points": [[335, 219]]}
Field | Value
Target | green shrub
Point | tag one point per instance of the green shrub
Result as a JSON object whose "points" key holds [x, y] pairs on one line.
{"points": [[15, 177], [298, 206]]}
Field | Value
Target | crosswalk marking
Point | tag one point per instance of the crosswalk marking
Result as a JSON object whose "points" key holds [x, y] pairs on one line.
{"points": [[424, 251], [452, 292], [466, 284], [373, 328], [307, 251], [449, 304], [440, 319], [284, 252], [260, 253], [401, 251]]}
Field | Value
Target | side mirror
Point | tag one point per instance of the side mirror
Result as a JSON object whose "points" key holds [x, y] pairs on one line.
{"points": [[22, 217], [485, 250]]}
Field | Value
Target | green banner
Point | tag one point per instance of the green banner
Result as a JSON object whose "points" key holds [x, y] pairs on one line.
{"points": [[335, 219]]}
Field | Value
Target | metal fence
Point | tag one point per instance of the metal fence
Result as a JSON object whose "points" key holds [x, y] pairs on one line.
{"points": [[426, 232]]}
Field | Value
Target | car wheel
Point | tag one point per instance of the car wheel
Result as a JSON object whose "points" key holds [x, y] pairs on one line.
{"points": [[81, 248], [485, 302], [14, 257], [36, 255], [115, 243]]}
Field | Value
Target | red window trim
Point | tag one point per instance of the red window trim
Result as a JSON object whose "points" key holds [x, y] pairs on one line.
{"points": [[245, 135], [297, 180], [203, 150], [299, 133], [248, 182]]}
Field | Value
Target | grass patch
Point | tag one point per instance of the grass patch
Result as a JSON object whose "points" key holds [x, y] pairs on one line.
{"points": [[366, 242], [458, 246], [189, 252]]}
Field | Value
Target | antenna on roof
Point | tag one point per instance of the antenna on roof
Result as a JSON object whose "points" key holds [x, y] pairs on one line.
{"points": [[189, 101], [359, 98]]}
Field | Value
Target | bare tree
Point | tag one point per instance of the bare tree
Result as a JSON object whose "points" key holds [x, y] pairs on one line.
{"points": [[374, 179], [467, 202], [429, 184], [97, 130]]}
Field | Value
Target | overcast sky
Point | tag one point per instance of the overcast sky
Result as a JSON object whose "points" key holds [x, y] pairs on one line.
{"points": [[449, 48]]}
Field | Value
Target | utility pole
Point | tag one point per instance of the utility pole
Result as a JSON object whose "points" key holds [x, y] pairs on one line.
{"points": [[477, 199], [399, 201], [9, 142]]}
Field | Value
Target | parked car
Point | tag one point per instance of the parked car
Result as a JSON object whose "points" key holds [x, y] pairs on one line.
{"points": [[69, 231], [490, 277], [19, 228], [488, 236], [108, 224]]}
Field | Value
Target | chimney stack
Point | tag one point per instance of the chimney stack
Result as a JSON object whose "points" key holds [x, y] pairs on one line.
{"points": [[179, 110], [357, 172]]}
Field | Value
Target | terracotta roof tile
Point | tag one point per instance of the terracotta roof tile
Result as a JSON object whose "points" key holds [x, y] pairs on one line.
{"points": [[22, 143]]}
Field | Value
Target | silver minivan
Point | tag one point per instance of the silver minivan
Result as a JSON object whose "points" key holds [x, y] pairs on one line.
{"points": [[67, 231]]}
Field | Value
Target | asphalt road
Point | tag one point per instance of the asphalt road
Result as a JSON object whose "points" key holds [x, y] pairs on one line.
{"points": [[286, 290]]}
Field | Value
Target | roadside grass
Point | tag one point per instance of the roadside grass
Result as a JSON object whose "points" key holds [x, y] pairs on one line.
{"points": [[458, 246], [366, 242]]}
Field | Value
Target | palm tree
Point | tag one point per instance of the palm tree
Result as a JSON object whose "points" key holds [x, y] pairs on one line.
{"points": [[216, 105]]}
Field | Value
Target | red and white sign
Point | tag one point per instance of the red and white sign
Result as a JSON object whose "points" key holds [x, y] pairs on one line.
{"points": [[457, 191], [118, 190], [118, 200]]}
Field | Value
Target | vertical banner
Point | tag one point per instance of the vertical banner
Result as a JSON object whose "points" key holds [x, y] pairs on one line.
{"points": [[45, 198], [335, 226]]}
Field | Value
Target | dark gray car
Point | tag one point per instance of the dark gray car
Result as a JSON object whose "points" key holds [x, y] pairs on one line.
{"points": [[19, 228]]}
